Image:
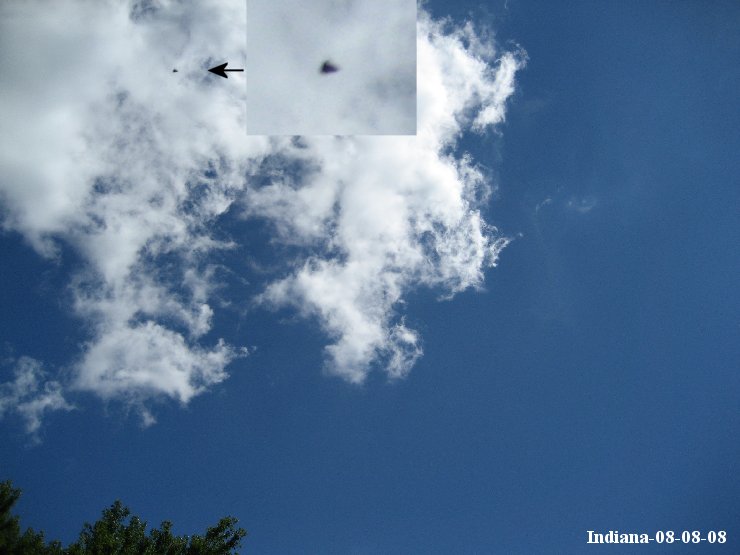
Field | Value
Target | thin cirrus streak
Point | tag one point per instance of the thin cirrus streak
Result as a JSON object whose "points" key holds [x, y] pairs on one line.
{"points": [[139, 170]]}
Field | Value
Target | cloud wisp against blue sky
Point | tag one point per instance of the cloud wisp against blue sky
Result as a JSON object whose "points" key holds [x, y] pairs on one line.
{"points": [[31, 394]]}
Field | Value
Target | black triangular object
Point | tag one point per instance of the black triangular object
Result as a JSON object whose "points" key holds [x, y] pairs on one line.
{"points": [[328, 67]]}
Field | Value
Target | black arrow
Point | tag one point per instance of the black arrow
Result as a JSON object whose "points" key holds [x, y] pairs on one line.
{"points": [[221, 70]]}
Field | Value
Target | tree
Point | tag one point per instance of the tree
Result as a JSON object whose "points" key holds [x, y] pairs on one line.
{"points": [[117, 532], [11, 539]]}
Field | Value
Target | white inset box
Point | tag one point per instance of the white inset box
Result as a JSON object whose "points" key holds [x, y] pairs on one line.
{"points": [[331, 67]]}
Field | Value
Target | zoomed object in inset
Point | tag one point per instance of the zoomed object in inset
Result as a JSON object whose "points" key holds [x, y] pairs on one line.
{"points": [[328, 67], [365, 53]]}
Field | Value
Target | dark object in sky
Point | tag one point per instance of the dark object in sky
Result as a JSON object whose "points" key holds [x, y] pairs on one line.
{"points": [[328, 67], [174, 71]]}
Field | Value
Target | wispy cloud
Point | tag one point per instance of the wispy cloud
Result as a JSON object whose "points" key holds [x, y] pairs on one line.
{"points": [[581, 205], [133, 166], [31, 394]]}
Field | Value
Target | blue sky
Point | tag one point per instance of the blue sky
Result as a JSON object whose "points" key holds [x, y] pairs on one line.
{"points": [[589, 381]]}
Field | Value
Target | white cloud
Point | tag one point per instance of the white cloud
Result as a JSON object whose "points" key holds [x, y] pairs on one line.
{"points": [[129, 163], [106, 150], [136, 360], [30, 395], [387, 214]]}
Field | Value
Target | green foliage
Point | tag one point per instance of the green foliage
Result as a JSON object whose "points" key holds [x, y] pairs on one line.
{"points": [[117, 532], [11, 539]]}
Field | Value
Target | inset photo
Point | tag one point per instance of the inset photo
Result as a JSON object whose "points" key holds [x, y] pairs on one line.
{"points": [[331, 67]]}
